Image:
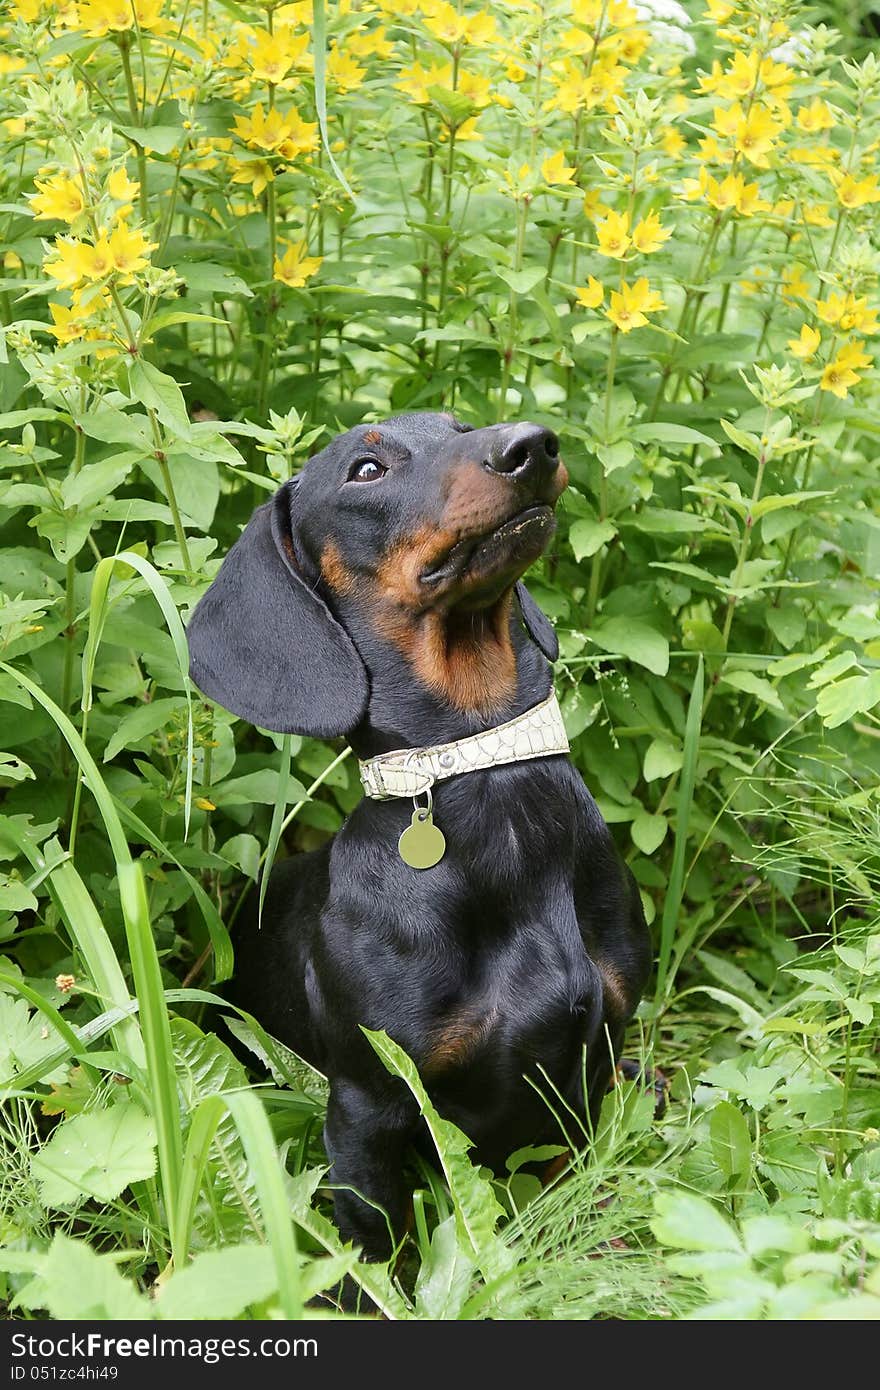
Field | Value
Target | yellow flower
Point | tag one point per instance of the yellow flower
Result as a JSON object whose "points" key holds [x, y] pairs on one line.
{"points": [[629, 46], [289, 134], [414, 82], [724, 195], [443, 21], [594, 208], [67, 327], [741, 78], [592, 295], [129, 249], [631, 305], [121, 188], [100, 17], [805, 346], [479, 29], [857, 317], [794, 286], [672, 142], [830, 310], [343, 71], [648, 236], [477, 89], [555, 170], [838, 379], [719, 10], [756, 134], [372, 43], [466, 131], [817, 116], [852, 357], [59, 197], [78, 261], [816, 215], [749, 201], [613, 235], [855, 193], [726, 120], [273, 55], [256, 172], [294, 268]]}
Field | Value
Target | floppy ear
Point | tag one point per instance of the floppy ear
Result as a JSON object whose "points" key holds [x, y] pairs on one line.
{"points": [[538, 625], [266, 647]]}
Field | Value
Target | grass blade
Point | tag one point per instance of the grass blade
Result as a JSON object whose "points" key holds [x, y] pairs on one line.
{"points": [[277, 825], [220, 941], [155, 1029], [98, 608], [87, 933], [203, 1126], [319, 48], [262, 1155], [675, 890]]}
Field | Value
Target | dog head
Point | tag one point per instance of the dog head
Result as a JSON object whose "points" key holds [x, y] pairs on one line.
{"points": [[411, 535]]}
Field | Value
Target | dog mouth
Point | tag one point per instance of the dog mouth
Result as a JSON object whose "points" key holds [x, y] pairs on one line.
{"points": [[507, 549]]}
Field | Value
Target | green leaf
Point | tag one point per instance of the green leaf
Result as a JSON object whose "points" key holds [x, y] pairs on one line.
{"points": [[663, 432], [634, 639], [586, 536], [615, 455], [161, 138], [477, 1211], [648, 831], [96, 480], [23, 1041], [98, 1154], [661, 760], [521, 281], [263, 787], [445, 1276], [700, 636], [219, 1284], [751, 684], [691, 1223], [743, 439], [730, 1140], [142, 721], [76, 1284], [161, 393], [839, 702], [207, 1068]]}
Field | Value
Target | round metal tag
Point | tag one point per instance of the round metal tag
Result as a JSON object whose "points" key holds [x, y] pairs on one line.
{"points": [[422, 844]]}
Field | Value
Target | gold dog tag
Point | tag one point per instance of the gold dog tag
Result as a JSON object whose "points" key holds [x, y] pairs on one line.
{"points": [[422, 844]]}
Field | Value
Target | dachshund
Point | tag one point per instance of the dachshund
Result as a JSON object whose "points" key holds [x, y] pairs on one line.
{"points": [[378, 596]]}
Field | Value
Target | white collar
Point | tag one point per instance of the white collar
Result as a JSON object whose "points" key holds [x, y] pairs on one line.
{"points": [[409, 771]]}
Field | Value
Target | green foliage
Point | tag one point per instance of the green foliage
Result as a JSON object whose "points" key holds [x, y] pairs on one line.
{"points": [[659, 239]]}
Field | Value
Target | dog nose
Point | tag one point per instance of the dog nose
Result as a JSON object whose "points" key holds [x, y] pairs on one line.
{"points": [[525, 452]]}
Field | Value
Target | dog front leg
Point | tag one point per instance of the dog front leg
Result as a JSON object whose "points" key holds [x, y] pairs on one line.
{"points": [[365, 1136]]}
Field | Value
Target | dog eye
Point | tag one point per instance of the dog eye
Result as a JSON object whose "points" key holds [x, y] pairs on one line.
{"points": [[366, 471]]}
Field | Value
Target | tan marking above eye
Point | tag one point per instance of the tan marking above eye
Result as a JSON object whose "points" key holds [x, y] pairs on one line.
{"points": [[372, 437]]}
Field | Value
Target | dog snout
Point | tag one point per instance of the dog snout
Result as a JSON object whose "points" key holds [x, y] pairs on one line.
{"points": [[526, 453]]}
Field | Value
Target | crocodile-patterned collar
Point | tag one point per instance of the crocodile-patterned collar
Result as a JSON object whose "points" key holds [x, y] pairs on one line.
{"points": [[409, 771]]}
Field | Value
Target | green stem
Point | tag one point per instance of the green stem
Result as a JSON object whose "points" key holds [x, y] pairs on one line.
{"points": [[125, 51], [267, 353], [162, 459]]}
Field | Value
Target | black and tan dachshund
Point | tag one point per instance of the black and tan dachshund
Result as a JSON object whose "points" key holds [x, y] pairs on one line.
{"points": [[377, 596]]}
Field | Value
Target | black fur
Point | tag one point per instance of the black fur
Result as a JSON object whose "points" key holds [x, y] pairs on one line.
{"points": [[526, 945]]}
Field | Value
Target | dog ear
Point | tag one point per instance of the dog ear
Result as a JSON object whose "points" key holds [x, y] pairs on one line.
{"points": [[538, 625], [265, 646]]}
